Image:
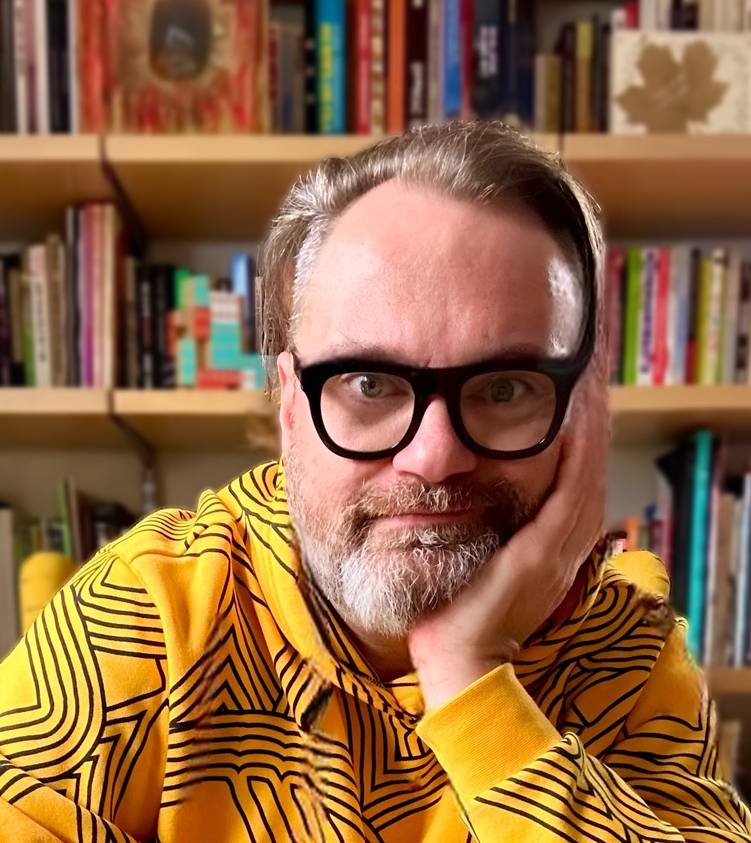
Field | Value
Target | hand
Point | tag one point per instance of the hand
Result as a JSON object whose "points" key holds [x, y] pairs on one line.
{"points": [[521, 586]]}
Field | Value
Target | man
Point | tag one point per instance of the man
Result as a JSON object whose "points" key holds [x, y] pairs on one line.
{"points": [[405, 630]]}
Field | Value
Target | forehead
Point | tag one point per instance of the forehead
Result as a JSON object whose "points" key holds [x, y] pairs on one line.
{"points": [[437, 281]]}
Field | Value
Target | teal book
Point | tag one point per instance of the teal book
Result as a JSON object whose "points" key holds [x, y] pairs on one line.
{"points": [[697, 556], [331, 58]]}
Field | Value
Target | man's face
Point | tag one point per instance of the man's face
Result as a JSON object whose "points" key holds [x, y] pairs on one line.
{"points": [[412, 277]]}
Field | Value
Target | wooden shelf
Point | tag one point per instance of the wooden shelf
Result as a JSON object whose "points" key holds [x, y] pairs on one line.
{"points": [[643, 415], [57, 418], [40, 175], [239, 420], [213, 420], [666, 186], [729, 680], [225, 187]]}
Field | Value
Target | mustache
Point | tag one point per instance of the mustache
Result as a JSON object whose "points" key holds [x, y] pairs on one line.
{"points": [[497, 501]]}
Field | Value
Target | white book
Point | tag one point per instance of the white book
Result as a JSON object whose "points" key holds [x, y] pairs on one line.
{"points": [[711, 584], [651, 88], [22, 82], [40, 314], [678, 309], [718, 275], [744, 562], [41, 54], [649, 14], [8, 584], [730, 315], [663, 13]]}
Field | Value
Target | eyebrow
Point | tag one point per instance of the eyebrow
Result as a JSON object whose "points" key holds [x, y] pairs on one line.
{"points": [[380, 353]]}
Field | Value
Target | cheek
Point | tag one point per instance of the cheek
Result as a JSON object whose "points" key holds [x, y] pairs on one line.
{"points": [[536, 475]]}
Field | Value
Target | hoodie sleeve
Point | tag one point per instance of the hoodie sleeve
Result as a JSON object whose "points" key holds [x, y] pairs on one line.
{"points": [[517, 777], [83, 714]]}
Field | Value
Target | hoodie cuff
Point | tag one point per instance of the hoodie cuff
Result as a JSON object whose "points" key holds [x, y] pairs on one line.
{"points": [[487, 733]]}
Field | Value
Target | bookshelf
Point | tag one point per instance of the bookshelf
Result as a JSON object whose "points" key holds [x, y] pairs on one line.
{"points": [[40, 175]]}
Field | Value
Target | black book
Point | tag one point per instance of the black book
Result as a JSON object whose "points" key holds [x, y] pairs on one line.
{"points": [[693, 308], [487, 89], [58, 63], [8, 120], [11, 270], [416, 89], [163, 286], [6, 341], [678, 468], [566, 49], [145, 329], [311, 73]]}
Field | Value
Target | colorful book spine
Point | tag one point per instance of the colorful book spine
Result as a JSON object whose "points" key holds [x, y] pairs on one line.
{"points": [[40, 315], [397, 67], [417, 63], [698, 543], [743, 337], [452, 63], [377, 66], [487, 90], [647, 317], [678, 309], [583, 76], [362, 66], [331, 62], [662, 295], [743, 580], [633, 308], [614, 274]]}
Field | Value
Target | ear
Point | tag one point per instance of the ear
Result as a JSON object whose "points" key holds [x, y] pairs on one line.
{"points": [[285, 367]]}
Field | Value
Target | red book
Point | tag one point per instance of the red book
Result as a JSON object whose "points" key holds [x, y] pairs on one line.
{"points": [[396, 67], [632, 14], [215, 379], [466, 27], [661, 350], [361, 69]]}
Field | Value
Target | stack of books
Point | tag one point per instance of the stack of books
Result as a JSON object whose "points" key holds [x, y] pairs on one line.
{"points": [[358, 66], [78, 311], [678, 315], [700, 525]]}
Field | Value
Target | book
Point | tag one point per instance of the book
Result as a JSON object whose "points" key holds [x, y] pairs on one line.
{"points": [[633, 307], [8, 583], [547, 92], [487, 86], [661, 356], [361, 74], [566, 50], [330, 67], [743, 333], [377, 66], [8, 119], [397, 66], [647, 312], [653, 87], [583, 76], [416, 91], [743, 580], [452, 64]]}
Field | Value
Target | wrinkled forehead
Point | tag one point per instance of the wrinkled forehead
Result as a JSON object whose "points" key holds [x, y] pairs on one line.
{"points": [[441, 281]]}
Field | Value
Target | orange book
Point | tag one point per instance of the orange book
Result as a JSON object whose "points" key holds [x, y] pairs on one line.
{"points": [[396, 70]]}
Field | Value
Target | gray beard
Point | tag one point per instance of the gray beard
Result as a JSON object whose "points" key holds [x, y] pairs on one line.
{"points": [[381, 581]]}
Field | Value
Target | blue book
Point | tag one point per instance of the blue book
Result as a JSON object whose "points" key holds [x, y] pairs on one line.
{"points": [[242, 278], [452, 60], [698, 547], [331, 59]]}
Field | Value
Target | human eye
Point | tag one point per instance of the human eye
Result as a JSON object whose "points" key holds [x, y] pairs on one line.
{"points": [[503, 388], [372, 385]]}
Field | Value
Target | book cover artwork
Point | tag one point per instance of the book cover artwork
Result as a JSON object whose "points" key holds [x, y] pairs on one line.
{"points": [[680, 82]]}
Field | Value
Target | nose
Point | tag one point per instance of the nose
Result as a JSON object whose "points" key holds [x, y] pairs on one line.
{"points": [[435, 453]]}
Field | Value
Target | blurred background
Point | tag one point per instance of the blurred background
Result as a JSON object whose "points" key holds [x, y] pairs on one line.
{"points": [[144, 145]]}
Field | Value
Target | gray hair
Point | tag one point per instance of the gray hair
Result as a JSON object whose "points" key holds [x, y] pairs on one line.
{"points": [[485, 162]]}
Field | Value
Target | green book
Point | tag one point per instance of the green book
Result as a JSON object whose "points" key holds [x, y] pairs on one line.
{"points": [[703, 316], [632, 318]]}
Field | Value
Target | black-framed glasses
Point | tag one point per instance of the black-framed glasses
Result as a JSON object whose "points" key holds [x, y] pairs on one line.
{"points": [[503, 409]]}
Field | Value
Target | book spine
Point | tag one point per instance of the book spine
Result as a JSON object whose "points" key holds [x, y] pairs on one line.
{"points": [[614, 273], [97, 294], [40, 310], [466, 29], [16, 288], [694, 296], [330, 28], [435, 63], [163, 298], [717, 281], [698, 546], [583, 76], [108, 285], [21, 77], [678, 307], [59, 65], [417, 63], [377, 66], [743, 579], [452, 65], [662, 349], [146, 368], [310, 71], [487, 91], [73, 307], [274, 51], [129, 376], [743, 338], [567, 51], [27, 315], [730, 317], [633, 309], [647, 318], [396, 77], [362, 80], [710, 585], [30, 44], [55, 262], [6, 343], [8, 119]]}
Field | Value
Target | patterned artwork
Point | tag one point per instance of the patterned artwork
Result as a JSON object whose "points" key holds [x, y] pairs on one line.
{"points": [[182, 687]]}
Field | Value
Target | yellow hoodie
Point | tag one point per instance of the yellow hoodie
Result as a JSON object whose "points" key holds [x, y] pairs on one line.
{"points": [[180, 689]]}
